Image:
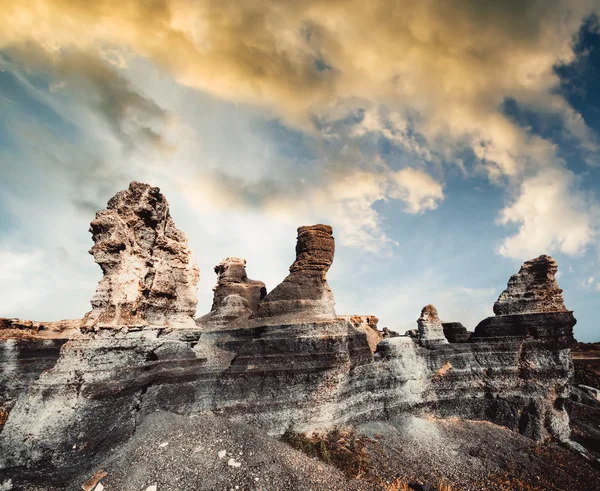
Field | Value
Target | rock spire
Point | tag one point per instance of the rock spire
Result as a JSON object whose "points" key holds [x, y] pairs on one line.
{"points": [[150, 274], [236, 296], [430, 329], [304, 293]]}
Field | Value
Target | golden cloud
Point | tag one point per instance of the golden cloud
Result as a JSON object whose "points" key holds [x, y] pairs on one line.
{"points": [[450, 65]]}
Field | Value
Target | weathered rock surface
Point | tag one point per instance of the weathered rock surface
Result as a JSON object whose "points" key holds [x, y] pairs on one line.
{"points": [[236, 296], [455, 332], [368, 325], [150, 274], [532, 290], [294, 365], [431, 332], [304, 293]]}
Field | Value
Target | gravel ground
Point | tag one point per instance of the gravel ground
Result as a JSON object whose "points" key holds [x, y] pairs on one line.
{"points": [[206, 452], [475, 455]]}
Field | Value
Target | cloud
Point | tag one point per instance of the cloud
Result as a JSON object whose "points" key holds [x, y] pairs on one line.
{"points": [[133, 119], [452, 64], [551, 214], [428, 78], [417, 189]]}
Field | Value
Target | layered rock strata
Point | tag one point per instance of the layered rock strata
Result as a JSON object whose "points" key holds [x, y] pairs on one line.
{"points": [[236, 297], [368, 325], [430, 329], [307, 371], [532, 290], [455, 332], [150, 274], [304, 293]]}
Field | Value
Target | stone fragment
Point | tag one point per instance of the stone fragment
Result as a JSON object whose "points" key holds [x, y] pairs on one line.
{"points": [[431, 332], [532, 290], [455, 332], [304, 294], [150, 274], [94, 480], [236, 296]]}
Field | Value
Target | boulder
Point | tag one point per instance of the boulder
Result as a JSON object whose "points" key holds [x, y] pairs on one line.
{"points": [[236, 296], [532, 290], [150, 274], [304, 294]]}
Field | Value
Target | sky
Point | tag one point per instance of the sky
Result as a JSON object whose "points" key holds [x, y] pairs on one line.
{"points": [[445, 142]]}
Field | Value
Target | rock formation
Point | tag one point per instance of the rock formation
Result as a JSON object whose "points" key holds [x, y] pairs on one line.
{"points": [[236, 296], [431, 332], [294, 366], [368, 325], [455, 332], [531, 307], [150, 274], [532, 289], [304, 293]]}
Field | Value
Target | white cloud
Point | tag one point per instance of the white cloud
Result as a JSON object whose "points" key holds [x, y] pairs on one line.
{"points": [[552, 214], [417, 189]]}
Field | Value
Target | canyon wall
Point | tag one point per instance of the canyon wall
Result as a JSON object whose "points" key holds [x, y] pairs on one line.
{"points": [[280, 361]]}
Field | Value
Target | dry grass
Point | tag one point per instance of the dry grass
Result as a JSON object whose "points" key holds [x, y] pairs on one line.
{"points": [[443, 370], [339, 447], [344, 449], [3, 415], [397, 485]]}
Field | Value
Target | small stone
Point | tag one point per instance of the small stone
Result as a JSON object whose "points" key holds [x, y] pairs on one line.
{"points": [[222, 453], [232, 462], [163, 445]]}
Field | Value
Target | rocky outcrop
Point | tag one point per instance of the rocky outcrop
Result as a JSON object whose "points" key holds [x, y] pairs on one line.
{"points": [[292, 366], [532, 290], [455, 332], [236, 296], [150, 274], [531, 307], [368, 325], [431, 332], [304, 293]]}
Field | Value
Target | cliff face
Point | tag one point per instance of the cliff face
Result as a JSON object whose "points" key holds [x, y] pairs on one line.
{"points": [[285, 362]]}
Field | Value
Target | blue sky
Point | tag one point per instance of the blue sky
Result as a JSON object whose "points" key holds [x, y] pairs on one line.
{"points": [[445, 143]]}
